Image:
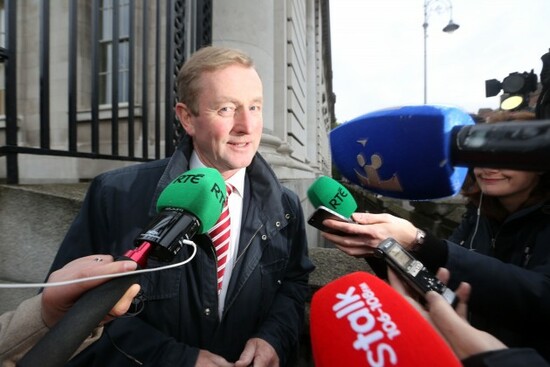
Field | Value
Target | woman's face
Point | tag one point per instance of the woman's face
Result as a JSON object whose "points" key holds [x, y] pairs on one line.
{"points": [[512, 186]]}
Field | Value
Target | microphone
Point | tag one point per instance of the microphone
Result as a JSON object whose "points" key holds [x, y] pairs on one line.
{"points": [[326, 191], [359, 320], [422, 152], [190, 204], [331, 201]]}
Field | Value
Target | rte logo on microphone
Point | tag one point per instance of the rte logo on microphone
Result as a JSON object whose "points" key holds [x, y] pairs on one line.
{"points": [[338, 199]]}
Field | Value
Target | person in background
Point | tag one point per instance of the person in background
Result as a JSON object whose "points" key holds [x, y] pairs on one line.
{"points": [[501, 247], [475, 348], [256, 316], [23, 327], [502, 115]]}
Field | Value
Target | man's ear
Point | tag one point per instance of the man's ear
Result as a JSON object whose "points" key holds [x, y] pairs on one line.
{"points": [[183, 114]]}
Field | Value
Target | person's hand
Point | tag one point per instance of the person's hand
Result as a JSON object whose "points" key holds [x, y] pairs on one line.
{"points": [[464, 339], [368, 231], [56, 301], [208, 359], [462, 293], [258, 353]]}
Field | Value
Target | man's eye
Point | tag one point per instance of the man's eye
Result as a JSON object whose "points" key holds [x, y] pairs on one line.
{"points": [[256, 108], [227, 111]]}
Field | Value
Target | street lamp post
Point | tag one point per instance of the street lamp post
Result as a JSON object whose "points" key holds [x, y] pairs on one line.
{"points": [[438, 6]]}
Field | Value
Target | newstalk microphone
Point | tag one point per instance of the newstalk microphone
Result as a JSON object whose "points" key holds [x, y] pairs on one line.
{"points": [[422, 152], [359, 320], [191, 204]]}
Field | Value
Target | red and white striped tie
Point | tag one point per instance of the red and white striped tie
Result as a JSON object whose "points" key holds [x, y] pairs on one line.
{"points": [[220, 235]]}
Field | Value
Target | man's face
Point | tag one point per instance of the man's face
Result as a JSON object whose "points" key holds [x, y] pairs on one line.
{"points": [[227, 131]]}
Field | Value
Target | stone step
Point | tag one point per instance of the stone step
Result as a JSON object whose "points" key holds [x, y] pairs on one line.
{"points": [[33, 221]]}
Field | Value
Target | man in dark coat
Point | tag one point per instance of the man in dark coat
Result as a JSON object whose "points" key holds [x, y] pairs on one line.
{"points": [[257, 316]]}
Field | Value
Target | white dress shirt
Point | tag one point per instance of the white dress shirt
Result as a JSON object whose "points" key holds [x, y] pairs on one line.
{"points": [[235, 211]]}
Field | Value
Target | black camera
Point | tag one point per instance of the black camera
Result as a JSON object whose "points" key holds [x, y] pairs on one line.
{"points": [[516, 88], [542, 109]]}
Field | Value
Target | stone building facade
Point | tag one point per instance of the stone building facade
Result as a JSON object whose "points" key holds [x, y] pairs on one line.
{"points": [[288, 39]]}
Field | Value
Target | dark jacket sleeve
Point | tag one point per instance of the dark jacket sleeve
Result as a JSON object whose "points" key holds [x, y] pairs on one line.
{"points": [[515, 357], [502, 288]]}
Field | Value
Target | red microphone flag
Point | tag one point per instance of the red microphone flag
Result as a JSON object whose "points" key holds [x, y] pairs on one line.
{"points": [[359, 320]]}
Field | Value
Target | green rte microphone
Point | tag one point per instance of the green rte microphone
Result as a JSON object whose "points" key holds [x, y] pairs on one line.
{"points": [[331, 201], [331, 194], [190, 204]]}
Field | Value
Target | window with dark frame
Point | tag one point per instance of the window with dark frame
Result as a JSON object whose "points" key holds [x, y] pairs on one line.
{"points": [[107, 65]]}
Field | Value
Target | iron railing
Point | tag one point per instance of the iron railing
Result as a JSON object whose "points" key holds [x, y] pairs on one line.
{"points": [[178, 45]]}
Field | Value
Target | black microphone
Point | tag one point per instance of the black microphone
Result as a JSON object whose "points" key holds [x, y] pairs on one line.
{"points": [[422, 152], [191, 204]]}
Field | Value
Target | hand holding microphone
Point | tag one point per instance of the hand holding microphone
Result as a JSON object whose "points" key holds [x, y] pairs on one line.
{"points": [[331, 201], [464, 339], [366, 237], [189, 205], [22, 328], [356, 234], [368, 231], [56, 301]]}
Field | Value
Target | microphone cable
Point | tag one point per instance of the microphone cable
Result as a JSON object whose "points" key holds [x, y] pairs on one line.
{"points": [[478, 216], [105, 276]]}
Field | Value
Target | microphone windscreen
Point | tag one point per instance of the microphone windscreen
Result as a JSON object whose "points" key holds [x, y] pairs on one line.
{"points": [[402, 152], [199, 191], [328, 192], [359, 320]]}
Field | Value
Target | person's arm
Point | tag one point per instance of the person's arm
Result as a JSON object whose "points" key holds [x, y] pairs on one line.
{"points": [[521, 296], [512, 357], [474, 347], [370, 229], [462, 337], [22, 328], [451, 324], [501, 288]]}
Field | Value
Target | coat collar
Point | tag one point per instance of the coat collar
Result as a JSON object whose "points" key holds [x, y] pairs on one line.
{"points": [[264, 189]]}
